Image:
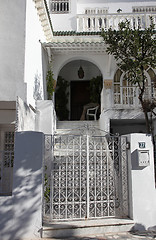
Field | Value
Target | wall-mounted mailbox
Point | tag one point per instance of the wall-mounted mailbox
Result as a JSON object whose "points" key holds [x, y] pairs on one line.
{"points": [[143, 158]]}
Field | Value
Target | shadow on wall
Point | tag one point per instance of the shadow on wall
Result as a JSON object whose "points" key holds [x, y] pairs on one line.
{"points": [[37, 91], [20, 214], [25, 117], [14, 221]]}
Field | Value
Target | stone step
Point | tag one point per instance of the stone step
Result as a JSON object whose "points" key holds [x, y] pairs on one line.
{"points": [[76, 124], [78, 127], [86, 227]]}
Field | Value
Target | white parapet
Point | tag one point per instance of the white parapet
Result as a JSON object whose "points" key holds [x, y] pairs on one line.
{"points": [[97, 22]]}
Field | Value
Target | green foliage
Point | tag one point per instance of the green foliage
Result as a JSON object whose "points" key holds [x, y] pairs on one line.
{"points": [[134, 50], [50, 82], [61, 99], [96, 85]]}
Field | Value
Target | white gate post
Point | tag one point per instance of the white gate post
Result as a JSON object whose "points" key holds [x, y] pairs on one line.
{"points": [[142, 192], [27, 185]]}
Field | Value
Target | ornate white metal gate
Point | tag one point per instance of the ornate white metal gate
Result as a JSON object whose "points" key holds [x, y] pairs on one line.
{"points": [[85, 177]]}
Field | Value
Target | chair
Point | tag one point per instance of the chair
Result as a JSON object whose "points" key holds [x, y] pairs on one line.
{"points": [[92, 112]]}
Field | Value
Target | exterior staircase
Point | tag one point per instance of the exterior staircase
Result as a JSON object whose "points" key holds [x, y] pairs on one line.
{"points": [[86, 228], [78, 128]]}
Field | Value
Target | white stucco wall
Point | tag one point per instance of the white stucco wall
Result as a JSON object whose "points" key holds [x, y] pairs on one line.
{"points": [[142, 189], [70, 71], [46, 117], [112, 5], [100, 60], [27, 185], [67, 22], [33, 54], [25, 117], [21, 213], [12, 47], [21, 51]]}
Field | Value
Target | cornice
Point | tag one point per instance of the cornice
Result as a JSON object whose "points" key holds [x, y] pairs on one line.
{"points": [[77, 46], [44, 16]]}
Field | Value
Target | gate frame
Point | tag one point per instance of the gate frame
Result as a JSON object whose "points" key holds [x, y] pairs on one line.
{"points": [[47, 186]]}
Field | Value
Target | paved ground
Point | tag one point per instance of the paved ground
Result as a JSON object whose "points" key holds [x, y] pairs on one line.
{"points": [[114, 236]]}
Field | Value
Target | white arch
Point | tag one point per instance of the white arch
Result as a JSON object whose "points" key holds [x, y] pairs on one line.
{"points": [[123, 74], [63, 62]]}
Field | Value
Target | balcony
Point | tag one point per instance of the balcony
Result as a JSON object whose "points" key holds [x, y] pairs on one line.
{"points": [[127, 97], [97, 22]]}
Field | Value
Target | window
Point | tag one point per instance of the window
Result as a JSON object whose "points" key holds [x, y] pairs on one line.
{"points": [[59, 6], [127, 94], [124, 92], [152, 76], [6, 159]]}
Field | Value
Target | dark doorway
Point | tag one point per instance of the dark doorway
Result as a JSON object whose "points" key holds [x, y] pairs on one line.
{"points": [[127, 126], [80, 95]]}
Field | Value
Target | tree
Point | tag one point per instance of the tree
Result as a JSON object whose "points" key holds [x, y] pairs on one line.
{"points": [[61, 99], [51, 83], [134, 49]]}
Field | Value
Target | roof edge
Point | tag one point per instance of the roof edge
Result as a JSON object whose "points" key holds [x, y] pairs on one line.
{"points": [[44, 17]]}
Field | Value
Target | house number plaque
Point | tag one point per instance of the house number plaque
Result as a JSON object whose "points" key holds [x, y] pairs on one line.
{"points": [[142, 145]]}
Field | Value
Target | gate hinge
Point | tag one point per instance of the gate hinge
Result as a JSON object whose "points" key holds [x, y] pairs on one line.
{"points": [[127, 145]]}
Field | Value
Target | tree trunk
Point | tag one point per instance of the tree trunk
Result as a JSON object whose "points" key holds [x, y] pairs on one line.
{"points": [[148, 125], [148, 128], [142, 90]]}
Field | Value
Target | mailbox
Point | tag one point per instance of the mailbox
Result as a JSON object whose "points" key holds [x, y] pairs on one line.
{"points": [[143, 158]]}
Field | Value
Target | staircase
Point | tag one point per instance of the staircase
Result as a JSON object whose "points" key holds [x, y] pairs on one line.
{"points": [[86, 228], [78, 128]]}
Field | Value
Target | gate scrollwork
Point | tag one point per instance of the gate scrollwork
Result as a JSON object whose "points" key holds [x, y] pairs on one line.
{"points": [[87, 176]]}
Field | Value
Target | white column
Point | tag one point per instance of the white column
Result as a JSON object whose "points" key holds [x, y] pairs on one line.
{"points": [[96, 24], [85, 24]]}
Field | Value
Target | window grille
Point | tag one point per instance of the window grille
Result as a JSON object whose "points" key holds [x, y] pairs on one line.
{"points": [[59, 6], [125, 93], [9, 149], [6, 161]]}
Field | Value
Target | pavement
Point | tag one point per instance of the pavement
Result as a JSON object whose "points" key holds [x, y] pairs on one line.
{"points": [[113, 236]]}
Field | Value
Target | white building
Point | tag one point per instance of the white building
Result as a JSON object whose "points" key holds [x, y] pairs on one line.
{"points": [[67, 32]]}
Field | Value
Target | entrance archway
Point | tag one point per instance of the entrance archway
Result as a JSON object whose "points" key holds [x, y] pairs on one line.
{"points": [[78, 90]]}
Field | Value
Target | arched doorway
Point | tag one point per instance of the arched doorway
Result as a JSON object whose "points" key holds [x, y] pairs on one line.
{"points": [[78, 79]]}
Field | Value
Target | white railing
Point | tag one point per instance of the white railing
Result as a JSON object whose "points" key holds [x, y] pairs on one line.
{"points": [[97, 22], [128, 96]]}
